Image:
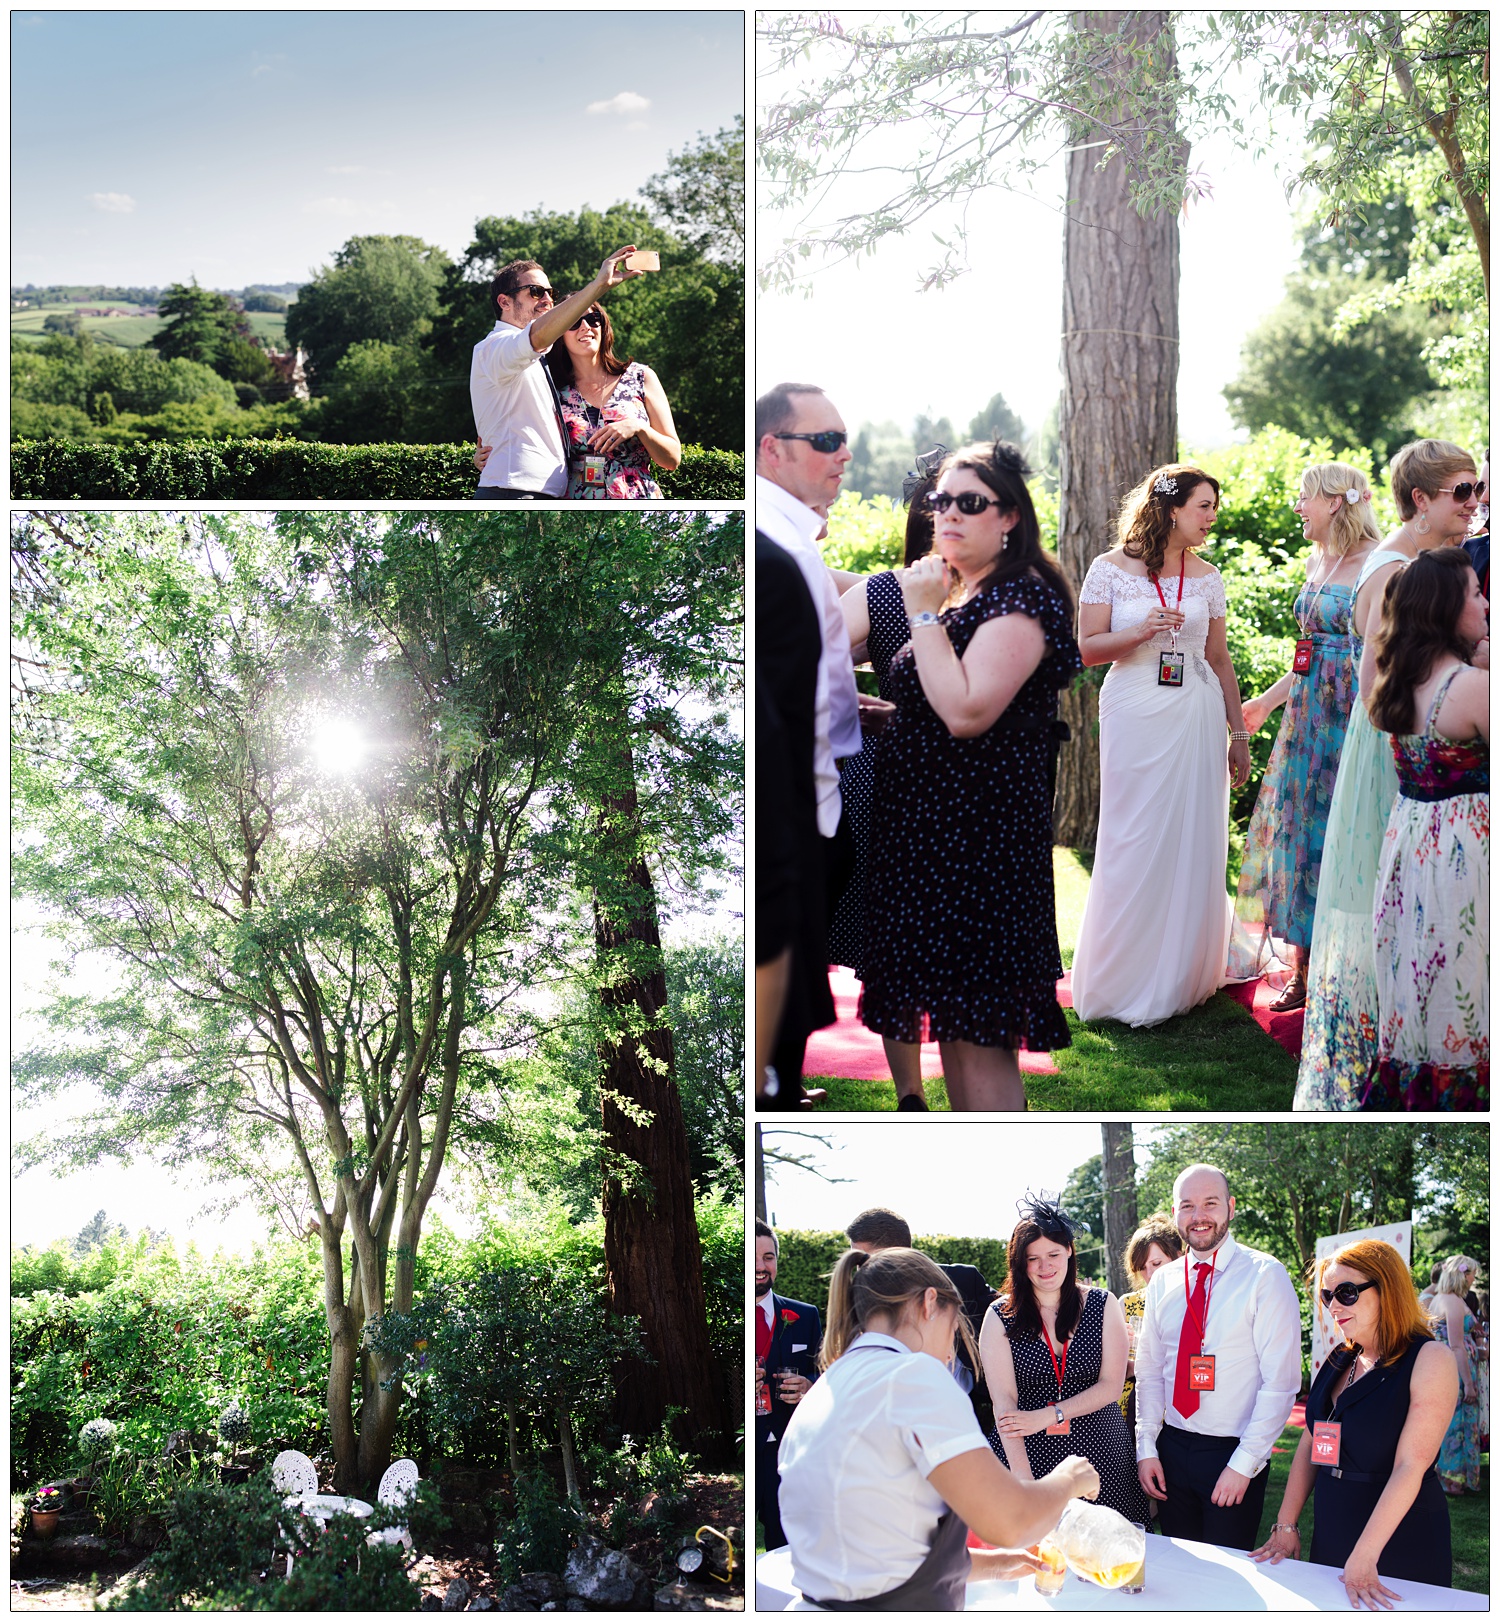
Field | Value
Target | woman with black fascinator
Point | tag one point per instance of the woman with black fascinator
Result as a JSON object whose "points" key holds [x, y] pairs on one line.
{"points": [[961, 926], [878, 629], [1054, 1355]]}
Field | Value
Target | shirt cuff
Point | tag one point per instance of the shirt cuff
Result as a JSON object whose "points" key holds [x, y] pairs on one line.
{"points": [[1245, 1463]]}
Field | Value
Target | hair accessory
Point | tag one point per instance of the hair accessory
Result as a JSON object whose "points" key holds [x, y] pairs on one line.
{"points": [[1353, 495], [1166, 485], [928, 463], [1048, 1216], [1009, 459]]}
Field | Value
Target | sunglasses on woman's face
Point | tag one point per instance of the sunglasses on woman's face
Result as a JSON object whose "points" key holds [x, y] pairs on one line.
{"points": [[968, 502], [1462, 492], [1347, 1295], [593, 319]]}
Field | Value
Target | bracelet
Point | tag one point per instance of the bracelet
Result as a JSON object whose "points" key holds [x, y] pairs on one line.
{"points": [[1239, 737], [1281, 1526], [926, 617]]}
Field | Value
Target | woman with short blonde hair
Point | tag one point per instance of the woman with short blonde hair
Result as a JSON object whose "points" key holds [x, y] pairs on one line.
{"points": [[1458, 1461]]}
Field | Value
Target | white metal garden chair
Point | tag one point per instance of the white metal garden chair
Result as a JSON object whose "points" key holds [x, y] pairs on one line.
{"points": [[398, 1486], [293, 1472]]}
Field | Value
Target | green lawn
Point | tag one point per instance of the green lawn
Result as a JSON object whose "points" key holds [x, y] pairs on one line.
{"points": [[131, 331], [1469, 1516], [1214, 1058]]}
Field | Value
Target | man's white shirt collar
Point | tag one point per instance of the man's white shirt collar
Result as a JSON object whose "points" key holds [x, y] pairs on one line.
{"points": [[804, 522]]}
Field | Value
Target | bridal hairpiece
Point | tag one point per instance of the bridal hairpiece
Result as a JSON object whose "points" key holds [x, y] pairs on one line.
{"points": [[928, 463], [1166, 485], [1353, 495]]}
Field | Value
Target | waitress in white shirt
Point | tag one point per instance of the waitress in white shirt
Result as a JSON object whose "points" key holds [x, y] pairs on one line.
{"points": [[884, 1467], [1217, 1369]]}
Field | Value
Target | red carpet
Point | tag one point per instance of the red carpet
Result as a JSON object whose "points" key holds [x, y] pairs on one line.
{"points": [[847, 1049]]}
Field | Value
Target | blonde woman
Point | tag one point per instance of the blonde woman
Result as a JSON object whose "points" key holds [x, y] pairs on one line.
{"points": [[1278, 887], [1458, 1460], [1434, 486]]}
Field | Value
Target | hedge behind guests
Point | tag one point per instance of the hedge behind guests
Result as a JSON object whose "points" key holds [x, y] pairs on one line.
{"points": [[250, 469], [806, 1259]]}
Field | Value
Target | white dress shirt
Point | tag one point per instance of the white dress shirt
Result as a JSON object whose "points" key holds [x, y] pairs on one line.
{"points": [[515, 415], [856, 1505], [794, 525], [1253, 1331]]}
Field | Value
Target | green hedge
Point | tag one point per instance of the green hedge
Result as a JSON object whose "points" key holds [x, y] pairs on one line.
{"points": [[806, 1259], [283, 470]]}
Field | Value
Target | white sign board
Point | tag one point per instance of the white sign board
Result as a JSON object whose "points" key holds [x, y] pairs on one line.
{"points": [[1325, 1332]]}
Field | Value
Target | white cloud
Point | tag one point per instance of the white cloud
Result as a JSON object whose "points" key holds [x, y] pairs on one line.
{"points": [[626, 102], [112, 202]]}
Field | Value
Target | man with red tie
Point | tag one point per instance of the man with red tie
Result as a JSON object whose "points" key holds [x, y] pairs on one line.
{"points": [[1217, 1369], [788, 1338]]}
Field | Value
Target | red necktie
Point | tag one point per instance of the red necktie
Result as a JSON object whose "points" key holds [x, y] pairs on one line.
{"points": [[762, 1334], [1189, 1344]]}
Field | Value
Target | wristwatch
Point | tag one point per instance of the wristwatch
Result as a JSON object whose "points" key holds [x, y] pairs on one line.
{"points": [[1057, 1412]]}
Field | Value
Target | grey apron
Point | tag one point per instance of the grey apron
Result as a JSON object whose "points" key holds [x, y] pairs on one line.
{"points": [[938, 1584]]}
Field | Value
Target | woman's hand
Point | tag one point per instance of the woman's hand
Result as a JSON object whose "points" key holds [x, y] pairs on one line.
{"points": [[1004, 1565], [482, 455], [1239, 762], [1082, 1478], [1363, 1585], [1480, 658], [1471, 1392], [1158, 620], [608, 437], [924, 586], [1023, 1423], [1283, 1544], [1256, 711]]}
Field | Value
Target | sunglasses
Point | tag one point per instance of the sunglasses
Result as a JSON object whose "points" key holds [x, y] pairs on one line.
{"points": [[827, 442], [592, 319], [969, 502], [534, 288], [1462, 492], [1347, 1295]]}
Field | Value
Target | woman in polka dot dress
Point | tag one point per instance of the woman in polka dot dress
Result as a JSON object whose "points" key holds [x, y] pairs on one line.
{"points": [[961, 928]]}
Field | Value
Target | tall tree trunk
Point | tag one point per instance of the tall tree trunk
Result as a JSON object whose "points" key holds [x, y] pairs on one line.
{"points": [[760, 1176], [1119, 1200], [652, 1256], [569, 1455], [1119, 400]]}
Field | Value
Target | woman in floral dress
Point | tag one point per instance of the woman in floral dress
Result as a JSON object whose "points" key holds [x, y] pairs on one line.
{"points": [[1278, 885], [1458, 1461], [1432, 482], [615, 413], [1432, 962]]}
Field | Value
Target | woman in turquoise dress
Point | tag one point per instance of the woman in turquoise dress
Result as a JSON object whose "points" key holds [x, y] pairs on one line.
{"points": [[1278, 886], [1458, 1460], [1339, 1027], [1431, 926]]}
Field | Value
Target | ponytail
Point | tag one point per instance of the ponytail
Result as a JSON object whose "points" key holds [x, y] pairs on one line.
{"points": [[863, 1287]]}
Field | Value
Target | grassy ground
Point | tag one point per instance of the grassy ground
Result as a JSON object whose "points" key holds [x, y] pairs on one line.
{"points": [[1214, 1058], [131, 331], [1469, 1517]]}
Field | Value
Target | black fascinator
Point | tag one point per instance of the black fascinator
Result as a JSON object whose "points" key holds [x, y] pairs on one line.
{"points": [[1049, 1217], [1009, 459], [928, 462]]}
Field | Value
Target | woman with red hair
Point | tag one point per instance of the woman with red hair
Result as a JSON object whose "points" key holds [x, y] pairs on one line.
{"points": [[1376, 1417]]}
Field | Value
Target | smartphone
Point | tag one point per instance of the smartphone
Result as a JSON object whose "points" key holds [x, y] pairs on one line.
{"points": [[646, 259]]}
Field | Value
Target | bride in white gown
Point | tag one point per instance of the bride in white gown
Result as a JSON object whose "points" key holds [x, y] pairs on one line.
{"points": [[1155, 928]]}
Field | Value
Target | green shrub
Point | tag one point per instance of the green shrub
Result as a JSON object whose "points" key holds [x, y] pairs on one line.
{"points": [[541, 1532], [267, 469]]}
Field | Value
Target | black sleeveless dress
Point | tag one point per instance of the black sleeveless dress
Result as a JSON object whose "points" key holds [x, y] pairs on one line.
{"points": [[890, 631], [1099, 1437], [1372, 1413]]}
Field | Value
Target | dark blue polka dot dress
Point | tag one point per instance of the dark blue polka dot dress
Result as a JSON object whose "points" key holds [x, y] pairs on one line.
{"points": [[961, 921]]}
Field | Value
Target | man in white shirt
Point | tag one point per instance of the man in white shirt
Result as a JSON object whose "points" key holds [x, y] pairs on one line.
{"points": [[516, 410], [1217, 1369]]}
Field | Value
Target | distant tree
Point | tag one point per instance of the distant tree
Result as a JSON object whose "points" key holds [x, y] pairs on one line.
{"points": [[200, 325], [881, 455], [70, 323], [242, 360], [1356, 390], [97, 1232], [706, 1009], [271, 303], [373, 395], [1083, 1198], [379, 289], [701, 195], [998, 421]]}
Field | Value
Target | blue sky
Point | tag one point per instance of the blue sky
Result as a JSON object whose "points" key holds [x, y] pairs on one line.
{"points": [[242, 146]]}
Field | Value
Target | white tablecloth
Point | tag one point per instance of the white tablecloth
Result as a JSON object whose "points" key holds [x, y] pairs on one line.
{"points": [[321, 1506], [1180, 1576]]}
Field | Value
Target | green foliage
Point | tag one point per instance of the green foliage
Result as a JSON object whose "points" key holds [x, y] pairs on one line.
{"points": [[997, 421], [201, 325], [647, 1480], [379, 289], [706, 1007], [701, 194], [219, 1556], [807, 1258], [250, 469], [96, 1441], [541, 1532]]}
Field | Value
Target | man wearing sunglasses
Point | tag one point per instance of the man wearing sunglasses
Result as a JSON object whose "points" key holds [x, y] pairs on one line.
{"points": [[516, 411], [1217, 1369]]}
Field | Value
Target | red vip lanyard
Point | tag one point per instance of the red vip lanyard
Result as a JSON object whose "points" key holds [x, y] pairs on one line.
{"points": [[1059, 1369], [1156, 581], [1208, 1290]]}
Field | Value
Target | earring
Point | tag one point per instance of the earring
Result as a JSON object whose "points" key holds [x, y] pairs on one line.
{"points": [[1423, 525], [1173, 524]]}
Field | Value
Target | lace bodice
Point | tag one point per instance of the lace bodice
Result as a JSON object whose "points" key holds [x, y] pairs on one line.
{"points": [[1132, 597]]}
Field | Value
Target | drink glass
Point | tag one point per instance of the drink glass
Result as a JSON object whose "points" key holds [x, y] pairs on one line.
{"points": [[781, 1376], [1050, 1581], [1136, 1581]]}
